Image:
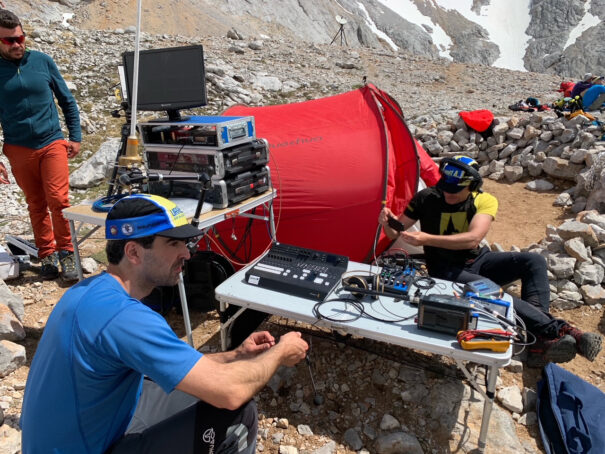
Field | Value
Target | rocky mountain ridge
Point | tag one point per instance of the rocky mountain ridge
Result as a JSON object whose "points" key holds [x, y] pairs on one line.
{"points": [[553, 46]]}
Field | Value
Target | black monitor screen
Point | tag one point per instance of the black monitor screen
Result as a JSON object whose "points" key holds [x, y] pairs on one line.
{"points": [[169, 79]]}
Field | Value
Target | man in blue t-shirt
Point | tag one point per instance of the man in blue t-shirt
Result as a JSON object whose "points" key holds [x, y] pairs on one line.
{"points": [[87, 389]]}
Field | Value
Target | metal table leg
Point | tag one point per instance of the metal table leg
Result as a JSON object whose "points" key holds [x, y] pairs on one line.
{"points": [[74, 242], [226, 323], [492, 377], [185, 309]]}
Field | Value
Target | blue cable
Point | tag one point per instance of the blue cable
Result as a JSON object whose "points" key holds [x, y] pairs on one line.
{"points": [[104, 204]]}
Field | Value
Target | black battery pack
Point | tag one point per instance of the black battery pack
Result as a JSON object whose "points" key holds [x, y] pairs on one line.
{"points": [[446, 314]]}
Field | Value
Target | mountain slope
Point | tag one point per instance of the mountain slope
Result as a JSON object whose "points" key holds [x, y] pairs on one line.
{"points": [[563, 37]]}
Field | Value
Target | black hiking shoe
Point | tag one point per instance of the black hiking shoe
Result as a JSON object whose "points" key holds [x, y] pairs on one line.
{"points": [[589, 344], [544, 351], [68, 266], [49, 268]]}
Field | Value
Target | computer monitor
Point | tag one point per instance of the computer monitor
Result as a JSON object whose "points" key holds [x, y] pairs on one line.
{"points": [[170, 79]]}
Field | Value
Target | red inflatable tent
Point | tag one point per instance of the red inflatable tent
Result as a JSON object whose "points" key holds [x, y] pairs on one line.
{"points": [[333, 162]]}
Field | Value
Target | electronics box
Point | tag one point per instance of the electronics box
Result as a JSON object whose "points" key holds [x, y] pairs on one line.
{"points": [[298, 271], [238, 188], [498, 305], [483, 287], [222, 193], [214, 132], [446, 314], [218, 164]]}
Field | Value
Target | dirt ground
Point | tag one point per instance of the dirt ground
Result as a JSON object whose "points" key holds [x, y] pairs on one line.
{"points": [[522, 219], [522, 214]]}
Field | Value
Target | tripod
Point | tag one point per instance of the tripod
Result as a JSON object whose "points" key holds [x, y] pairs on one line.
{"points": [[341, 32]]}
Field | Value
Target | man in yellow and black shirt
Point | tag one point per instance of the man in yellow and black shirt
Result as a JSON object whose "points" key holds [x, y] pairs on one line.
{"points": [[455, 215]]}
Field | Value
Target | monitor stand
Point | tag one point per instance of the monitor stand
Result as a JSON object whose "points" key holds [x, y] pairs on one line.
{"points": [[174, 116]]}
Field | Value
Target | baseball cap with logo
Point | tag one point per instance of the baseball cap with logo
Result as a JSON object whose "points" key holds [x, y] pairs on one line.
{"points": [[141, 215]]}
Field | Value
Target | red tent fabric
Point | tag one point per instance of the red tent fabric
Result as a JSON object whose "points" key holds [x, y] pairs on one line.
{"points": [[333, 162]]}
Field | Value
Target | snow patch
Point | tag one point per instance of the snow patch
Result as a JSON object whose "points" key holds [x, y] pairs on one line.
{"points": [[408, 10], [587, 22], [67, 17], [505, 24], [370, 23]]}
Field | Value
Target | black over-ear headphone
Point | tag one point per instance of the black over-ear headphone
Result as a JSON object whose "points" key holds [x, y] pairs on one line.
{"points": [[476, 179], [362, 285]]}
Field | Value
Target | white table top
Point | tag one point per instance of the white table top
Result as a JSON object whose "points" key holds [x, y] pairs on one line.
{"points": [[85, 213], [404, 333]]}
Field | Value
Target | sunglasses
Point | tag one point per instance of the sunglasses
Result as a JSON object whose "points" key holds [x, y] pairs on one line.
{"points": [[10, 40]]}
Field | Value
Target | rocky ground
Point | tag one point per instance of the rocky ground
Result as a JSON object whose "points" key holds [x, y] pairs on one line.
{"points": [[364, 384]]}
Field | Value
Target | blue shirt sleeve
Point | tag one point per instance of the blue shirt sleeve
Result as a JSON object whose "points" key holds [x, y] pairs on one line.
{"points": [[142, 340]]}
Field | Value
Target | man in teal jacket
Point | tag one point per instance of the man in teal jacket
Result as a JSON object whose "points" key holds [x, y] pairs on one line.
{"points": [[34, 143]]}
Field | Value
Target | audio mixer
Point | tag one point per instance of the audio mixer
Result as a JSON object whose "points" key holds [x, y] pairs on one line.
{"points": [[297, 271]]}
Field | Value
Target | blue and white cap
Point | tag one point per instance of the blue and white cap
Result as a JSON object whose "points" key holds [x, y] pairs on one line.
{"points": [[141, 215]]}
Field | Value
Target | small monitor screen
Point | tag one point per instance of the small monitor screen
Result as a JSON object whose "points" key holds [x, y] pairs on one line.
{"points": [[169, 79]]}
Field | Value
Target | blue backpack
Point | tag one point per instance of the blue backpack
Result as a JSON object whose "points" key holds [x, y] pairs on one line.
{"points": [[571, 413]]}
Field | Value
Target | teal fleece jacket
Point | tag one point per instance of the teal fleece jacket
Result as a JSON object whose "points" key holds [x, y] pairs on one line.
{"points": [[28, 113]]}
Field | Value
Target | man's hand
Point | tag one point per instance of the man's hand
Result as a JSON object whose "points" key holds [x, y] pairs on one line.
{"points": [[254, 344], [3, 174], [383, 217], [415, 238], [294, 348], [73, 148]]}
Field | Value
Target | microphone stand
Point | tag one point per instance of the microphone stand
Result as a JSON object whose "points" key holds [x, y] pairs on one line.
{"points": [[205, 179]]}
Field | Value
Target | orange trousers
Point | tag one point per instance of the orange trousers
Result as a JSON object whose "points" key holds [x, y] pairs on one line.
{"points": [[43, 175]]}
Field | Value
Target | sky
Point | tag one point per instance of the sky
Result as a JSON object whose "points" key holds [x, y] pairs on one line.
{"points": [[505, 21]]}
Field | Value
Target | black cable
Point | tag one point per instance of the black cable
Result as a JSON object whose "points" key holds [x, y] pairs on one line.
{"points": [[352, 300], [458, 286], [359, 307], [233, 254], [419, 282], [400, 319], [171, 182], [247, 235]]}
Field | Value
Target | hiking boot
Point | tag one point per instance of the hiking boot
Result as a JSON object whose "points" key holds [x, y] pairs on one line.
{"points": [[589, 344], [544, 351], [68, 266], [49, 268]]}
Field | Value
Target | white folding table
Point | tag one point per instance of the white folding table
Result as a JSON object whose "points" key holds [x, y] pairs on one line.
{"points": [[404, 333]]}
